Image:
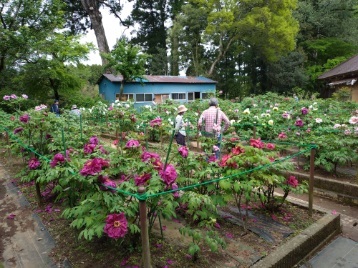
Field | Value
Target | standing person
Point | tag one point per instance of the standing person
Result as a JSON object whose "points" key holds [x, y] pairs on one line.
{"points": [[213, 118], [55, 109], [180, 132], [75, 110]]}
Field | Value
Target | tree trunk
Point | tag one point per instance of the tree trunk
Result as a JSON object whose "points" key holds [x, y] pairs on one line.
{"points": [[92, 8]]}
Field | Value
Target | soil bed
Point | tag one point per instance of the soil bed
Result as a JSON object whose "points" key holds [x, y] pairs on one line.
{"points": [[244, 247]]}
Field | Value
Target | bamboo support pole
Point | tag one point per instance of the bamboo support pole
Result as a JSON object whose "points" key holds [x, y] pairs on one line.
{"points": [[144, 230]]}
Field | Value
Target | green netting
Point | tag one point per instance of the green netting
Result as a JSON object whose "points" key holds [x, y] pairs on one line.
{"points": [[145, 196]]}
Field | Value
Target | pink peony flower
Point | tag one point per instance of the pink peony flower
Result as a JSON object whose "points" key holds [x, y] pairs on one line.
{"points": [[6, 97], [168, 175], [174, 187], [132, 144], [18, 130], [353, 120], [292, 181], [304, 111], [270, 146], [146, 156], [156, 122], [257, 143], [105, 181], [116, 225], [25, 118], [141, 180], [183, 151], [93, 166], [282, 136], [57, 158], [24, 96], [34, 163], [299, 123], [13, 96], [93, 140], [237, 150], [89, 148], [212, 158]]}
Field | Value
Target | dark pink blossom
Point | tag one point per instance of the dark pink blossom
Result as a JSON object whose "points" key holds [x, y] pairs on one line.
{"points": [[270, 146], [48, 136], [156, 122], [6, 97], [299, 123], [93, 166], [18, 130], [93, 140], [11, 216], [183, 151], [146, 156], [57, 158], [24, 118], [132, 144], [103, 151], [141, 180], [237, 150], [89, 148], [34, 163], [169, 175], [304, 110], [292, 181], [282, 136], [257, 143], [175, 187], [106, 183], [116, 225], [212, 158]]}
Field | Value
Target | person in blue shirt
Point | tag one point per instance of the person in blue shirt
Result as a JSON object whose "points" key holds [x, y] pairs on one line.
{"points": [[55, 109]]}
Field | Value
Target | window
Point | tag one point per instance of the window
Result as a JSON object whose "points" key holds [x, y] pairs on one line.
{"points": [[190, 96], [144, 97], [205, 96], [125, 97], [178, 96]]}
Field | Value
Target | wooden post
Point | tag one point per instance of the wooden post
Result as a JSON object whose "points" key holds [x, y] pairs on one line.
{"points": [[144, 230], [254, 130], [311, 180]]}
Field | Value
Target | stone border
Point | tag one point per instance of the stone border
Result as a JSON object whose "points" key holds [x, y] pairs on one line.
{"points": [[333, 189], [303, 245]]}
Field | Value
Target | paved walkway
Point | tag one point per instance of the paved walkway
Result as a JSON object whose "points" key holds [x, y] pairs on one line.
{"points": [[25, 242]]}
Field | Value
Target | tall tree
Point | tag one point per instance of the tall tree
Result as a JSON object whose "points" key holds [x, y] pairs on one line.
{"points": [[268, 26], [127, 60], [22, 25], [151, 15]]}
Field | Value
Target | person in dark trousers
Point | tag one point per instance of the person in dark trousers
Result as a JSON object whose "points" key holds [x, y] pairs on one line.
{"points": [[180, 132], [55, 109]]}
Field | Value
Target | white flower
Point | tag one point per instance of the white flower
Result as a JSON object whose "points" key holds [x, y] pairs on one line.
{"points": [[310, 107], [275, 108], [353, 120], [319, 120], [167, 112], [246, 111], [255, 117], [270, 122], [196, 114], [255, 105], [25, 96], [347, 132], [337, 125], [232, 122]]}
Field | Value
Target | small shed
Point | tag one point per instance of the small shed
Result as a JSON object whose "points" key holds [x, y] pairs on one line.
{"points": [[343, 75], [156, 87]]}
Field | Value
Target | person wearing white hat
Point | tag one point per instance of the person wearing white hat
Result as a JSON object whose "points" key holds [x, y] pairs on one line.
{"points": [[180, 132], [75, 110]]}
